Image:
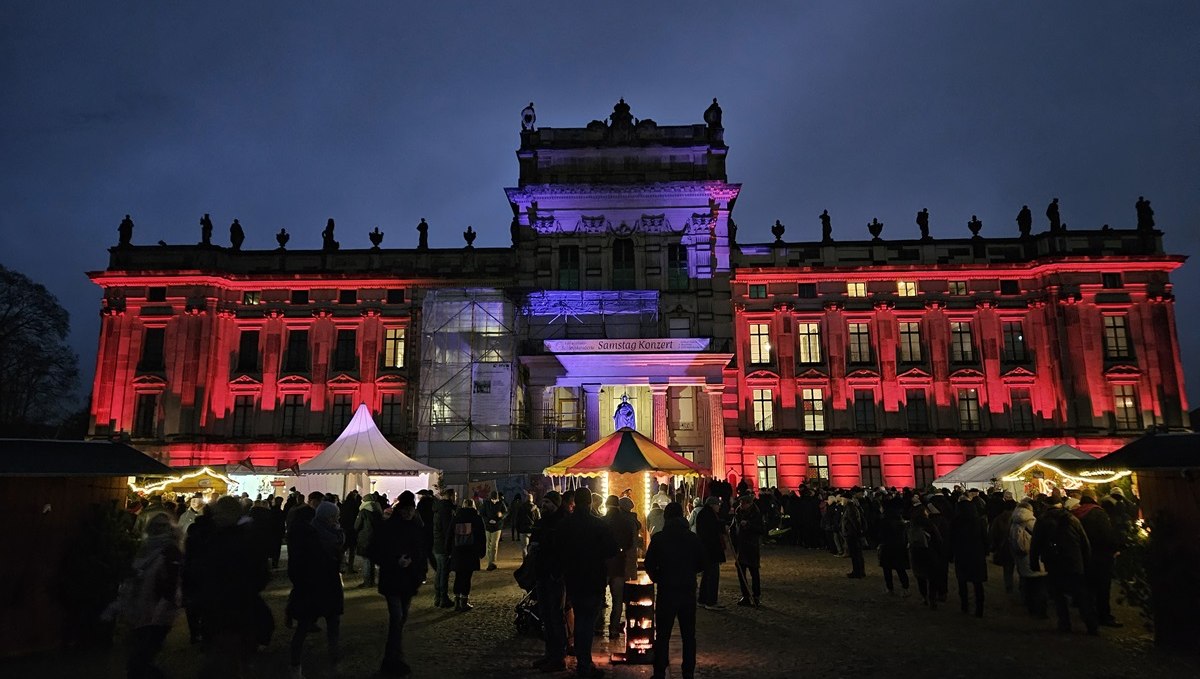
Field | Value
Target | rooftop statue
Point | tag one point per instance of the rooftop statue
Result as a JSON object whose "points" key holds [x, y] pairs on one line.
{"points": [[528, 118], [422, 235], [236, 235], [469, 236], [712, 116], [328, 244], [1025, 221], [282, 238], [923, 223], [376, 237], [125, 232], [1053, 216], [777, 231], [974, 225], [1145, 216], [826, 227], [205, 230], [621, 118], [623, 416], [876, 228]]}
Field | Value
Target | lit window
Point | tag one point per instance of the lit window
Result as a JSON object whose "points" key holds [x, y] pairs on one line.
{"points": [[906, 288], [958, 288], [818, 469], [872, 471], [683, 410], [1116, 337], [808, 336], [812, 404], [968, 410], [1125, 408], [760, 344], [768, 472], [860, 342], [758, 291], [864, 410], [916, 410], [393, 348], [1014, 342], [764, 410], [1021, 409], [251, 297], [856, 289], [962, 342], [910, 342]]}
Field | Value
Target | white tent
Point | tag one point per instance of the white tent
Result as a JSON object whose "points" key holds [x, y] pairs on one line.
{"points": [[367, 461], [987, 471]]}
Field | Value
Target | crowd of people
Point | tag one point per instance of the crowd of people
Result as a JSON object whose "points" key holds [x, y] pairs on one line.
{"points": [[213, 559]]}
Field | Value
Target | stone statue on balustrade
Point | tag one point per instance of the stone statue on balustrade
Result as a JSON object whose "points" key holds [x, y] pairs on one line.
{"points": [[422, 235], [125, 233], [1054, 217], [1025, 221], [923, 223], [826, 227], [236, 235], [328, 244], [1145, 215], [205, 230]]}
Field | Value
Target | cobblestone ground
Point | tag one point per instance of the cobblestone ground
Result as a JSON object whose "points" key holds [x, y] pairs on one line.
{"points": [[814, 622]]}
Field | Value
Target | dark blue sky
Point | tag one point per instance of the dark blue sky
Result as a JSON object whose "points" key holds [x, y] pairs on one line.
{"points": [[285, 114]]}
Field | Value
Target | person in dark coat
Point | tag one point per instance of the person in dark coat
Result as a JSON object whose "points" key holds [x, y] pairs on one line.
{"points": [[370, 515], [466, 544], [673, 559], [399, 551], [425, 504], [623, 527], [893, 547], [711, 531], [279, 526], [746, 534], [262, 527], [524, 514], [854, 532], [315, 557], [494, 513], [939, 517], [586, 543], [968, 543], [544, 549], [1099, 567], [348, 516], [1061, 545], [998, 539], [443, 528], [924, 552]]}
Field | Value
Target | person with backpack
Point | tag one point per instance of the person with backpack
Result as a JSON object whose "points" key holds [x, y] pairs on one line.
{"points": [[466, 546], [1060, 543]]}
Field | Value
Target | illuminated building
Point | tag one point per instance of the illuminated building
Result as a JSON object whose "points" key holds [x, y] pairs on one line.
{"points": [[623, 280]]}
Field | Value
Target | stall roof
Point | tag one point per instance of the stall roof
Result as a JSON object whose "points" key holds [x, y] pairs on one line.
{"points": [[44, 457], [983, 470], [1157, 451], [362, 448]]}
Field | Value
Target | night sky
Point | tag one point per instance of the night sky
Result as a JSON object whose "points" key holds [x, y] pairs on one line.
{"points": [[286, 114]]}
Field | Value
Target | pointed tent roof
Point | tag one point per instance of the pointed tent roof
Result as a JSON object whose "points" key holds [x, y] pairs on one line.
{"points": [[362, 448], [623, 451], [985, 469]]}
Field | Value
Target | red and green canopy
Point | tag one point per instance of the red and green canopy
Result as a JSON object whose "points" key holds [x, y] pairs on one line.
{"points": [[623, 452]]}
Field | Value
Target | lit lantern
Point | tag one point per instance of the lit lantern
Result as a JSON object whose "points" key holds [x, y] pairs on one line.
{"points": [[639, 621]]}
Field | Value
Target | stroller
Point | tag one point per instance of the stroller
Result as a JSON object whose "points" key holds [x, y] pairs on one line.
{"points": [[528, 620]]}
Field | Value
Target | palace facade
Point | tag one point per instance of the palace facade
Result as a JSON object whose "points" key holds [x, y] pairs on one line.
{"points": [[849, 362]]}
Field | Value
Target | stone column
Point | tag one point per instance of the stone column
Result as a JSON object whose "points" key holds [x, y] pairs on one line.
{"points": [[716, 428], [661, 435], [591, 412]]}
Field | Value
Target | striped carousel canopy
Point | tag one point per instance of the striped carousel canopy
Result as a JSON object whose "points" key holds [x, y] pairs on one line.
{"points": [[624, 451]]}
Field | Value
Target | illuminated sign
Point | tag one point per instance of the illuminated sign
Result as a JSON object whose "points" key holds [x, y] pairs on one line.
{"points": [[612, 346]]}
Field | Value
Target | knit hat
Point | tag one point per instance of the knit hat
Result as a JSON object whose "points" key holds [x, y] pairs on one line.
{"points": [[553, 497], [1117, 492], [327, 511]]}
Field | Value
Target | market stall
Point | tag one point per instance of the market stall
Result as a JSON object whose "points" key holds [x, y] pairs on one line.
{"points": [[1029, 472]]}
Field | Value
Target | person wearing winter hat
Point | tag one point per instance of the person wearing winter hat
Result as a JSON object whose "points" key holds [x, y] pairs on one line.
{"points": [[711, 532], [400, 553], [317, 581]]}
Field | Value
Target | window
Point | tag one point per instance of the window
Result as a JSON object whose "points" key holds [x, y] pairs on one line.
{"points": [[1112, 280], [910, 342], [347, 296], [764, 411], [864, 410], [768, 472], [293, 407], [818, 469], [341, 412], [1009, 287], [393, 348], [152, 350], [760, 344], [916, 410], [1125, 407], [860, 342], [812, 409], [568, 267], [957, 288], [906, 288], [677, 267], [806, 290], [247, 361], [872, 471], [156, 294], [679, 327], [299, 296], [395, 296], [391, 415], [345, 353], [623, 268], [243, 416], [758, 291], [962, 344], [145, 418], [808, 343], [923, 471], [567, 406], [1116, 337], [297, 352], [1021, 409], [968, 409], [251, 297], [1014, 342], [856, 289], [683, 411]]}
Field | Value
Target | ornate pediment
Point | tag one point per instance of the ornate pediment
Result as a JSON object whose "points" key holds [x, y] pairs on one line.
{"points": [[149, 383], [343, 382], [967, 374], [244, 383], [863, 375], [812, 374], [1019, 372], [761, 375], [392, 382], [294, 384], [914, 374], [1123, 372]]}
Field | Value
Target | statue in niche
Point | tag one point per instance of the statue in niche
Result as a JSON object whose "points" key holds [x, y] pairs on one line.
{"points": [[974, 225], [712, 116], [422, 235], [826, 227], [328, 244], [469, 236], [528, 118], [514, 230], [876, 228], [125, 233], [923, 223], [1053, 216], [205, 230], [376, 237], [282, 238], [1025, 221], [777, 231], [236, 235], [623, 416], [1145, 216]]}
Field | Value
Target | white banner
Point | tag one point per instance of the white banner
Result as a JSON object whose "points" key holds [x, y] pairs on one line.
{"points": [[491, 393], [623, 346]]}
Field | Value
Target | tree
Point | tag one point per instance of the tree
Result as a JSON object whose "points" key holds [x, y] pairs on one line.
{"points": [[38, 371]]}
